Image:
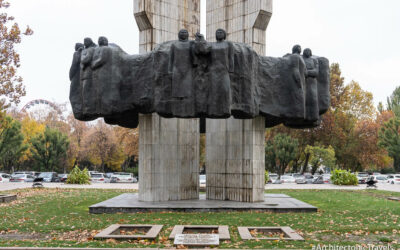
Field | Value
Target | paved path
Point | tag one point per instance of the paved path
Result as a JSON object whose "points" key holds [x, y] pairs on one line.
{"points": [[134, 186], [381, 186], [15, 185]]}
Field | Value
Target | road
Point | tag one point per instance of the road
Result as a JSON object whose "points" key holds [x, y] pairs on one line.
{"points": [[134, 186]]}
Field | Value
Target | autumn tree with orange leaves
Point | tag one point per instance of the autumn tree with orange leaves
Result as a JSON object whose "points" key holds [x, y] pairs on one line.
{"points": [[11, 86]]}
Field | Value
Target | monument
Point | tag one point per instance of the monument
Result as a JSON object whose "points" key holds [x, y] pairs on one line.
{"points": [[179, 77]]}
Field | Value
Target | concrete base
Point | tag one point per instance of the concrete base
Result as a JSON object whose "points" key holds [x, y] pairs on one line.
{"points": [[129, 203]]}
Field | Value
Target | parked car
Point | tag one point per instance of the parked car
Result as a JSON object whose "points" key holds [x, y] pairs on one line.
{"points": [[318, 179], [22, 178], [381, 178], [4, 177], [272, 178], [327, 178], [35, 174], [97, 177], [301, 180], [396, 179], [123, 178], [202, 179], [47, 177], [307, 179], [63, 177], [288, 179], [296, 175], [107, 177], [389, 178], [362, 177]]}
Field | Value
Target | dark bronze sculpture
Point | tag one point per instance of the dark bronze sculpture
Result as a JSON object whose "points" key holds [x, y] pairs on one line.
{"points": [[198, 79]]}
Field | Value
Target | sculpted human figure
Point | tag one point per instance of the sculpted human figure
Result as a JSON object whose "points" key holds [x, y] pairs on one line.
{"points": [[75, 94], [312, 110], [180, 66], [296, 50], [181, 69], [222, 63], [107, 87], [88, 90], [201, 59]]}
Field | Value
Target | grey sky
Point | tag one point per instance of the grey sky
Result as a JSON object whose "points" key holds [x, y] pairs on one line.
{"points": [[363, 36]]}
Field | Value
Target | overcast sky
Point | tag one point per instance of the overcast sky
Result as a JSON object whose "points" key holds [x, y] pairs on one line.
{"points": [[363, 36]]}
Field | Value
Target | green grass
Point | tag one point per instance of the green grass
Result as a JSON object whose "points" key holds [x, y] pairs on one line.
{"points": [[59, 217]]}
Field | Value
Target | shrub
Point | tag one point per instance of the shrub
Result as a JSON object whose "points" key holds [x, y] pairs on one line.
{"points": [[266, 176], [78, 176], [343, 177]]}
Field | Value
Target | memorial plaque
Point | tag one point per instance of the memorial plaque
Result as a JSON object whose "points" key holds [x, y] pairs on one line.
{"points": [[197, 239]]}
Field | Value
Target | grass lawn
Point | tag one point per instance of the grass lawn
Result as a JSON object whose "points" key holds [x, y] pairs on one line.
{"points": [[59, 217]]}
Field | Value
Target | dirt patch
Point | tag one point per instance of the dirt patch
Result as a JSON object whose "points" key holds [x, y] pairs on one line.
{"points": [[23, 236]]}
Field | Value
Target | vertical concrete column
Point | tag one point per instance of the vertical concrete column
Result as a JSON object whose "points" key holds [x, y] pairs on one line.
{"points": [[235, 148], [168, 148]]}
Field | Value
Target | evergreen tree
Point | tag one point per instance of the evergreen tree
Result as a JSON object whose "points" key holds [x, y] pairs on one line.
{"points": [[48, 149]]}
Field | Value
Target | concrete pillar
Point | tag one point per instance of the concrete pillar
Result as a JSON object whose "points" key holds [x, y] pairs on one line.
{"points": [[168, 148], [235, 148]]}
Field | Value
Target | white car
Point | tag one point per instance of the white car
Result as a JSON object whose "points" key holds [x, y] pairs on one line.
{"points": [[327, 178], [381, 178], [123, 178], [273, 178], [395, 180], [288, 179], [4, 177], [22, 178], [97, 177]]}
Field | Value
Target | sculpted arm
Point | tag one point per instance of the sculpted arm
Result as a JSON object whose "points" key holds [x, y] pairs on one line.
{"points": [[86, 58], [231, 58], [101, 59], [314, 72], [171, 60]]}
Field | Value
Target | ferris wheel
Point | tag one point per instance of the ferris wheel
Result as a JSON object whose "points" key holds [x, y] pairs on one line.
{"points": [[38, 103]]}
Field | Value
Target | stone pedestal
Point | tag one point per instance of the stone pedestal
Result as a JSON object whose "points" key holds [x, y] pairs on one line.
{"points": [[235, 148], [168, 148], [235, 159], [168, 159]]}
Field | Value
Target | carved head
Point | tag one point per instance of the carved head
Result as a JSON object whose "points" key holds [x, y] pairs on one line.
{"points": [[88, 42], [296, 49], [220, 35], [199, 36], [183, 35], [307, 53], [78, 46], [103, 41]]}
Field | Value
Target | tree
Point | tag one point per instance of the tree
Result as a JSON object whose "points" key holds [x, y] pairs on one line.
{"points": [[11, 143], [11, 86], [49, 149], [357, 102], [30, 129], [389, 139], [281, 151], [321, 156], [128, 141], [393, 102], [103, 149]]}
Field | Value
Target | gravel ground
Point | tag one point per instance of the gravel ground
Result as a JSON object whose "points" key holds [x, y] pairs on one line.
{"points": [[134, 186]]}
